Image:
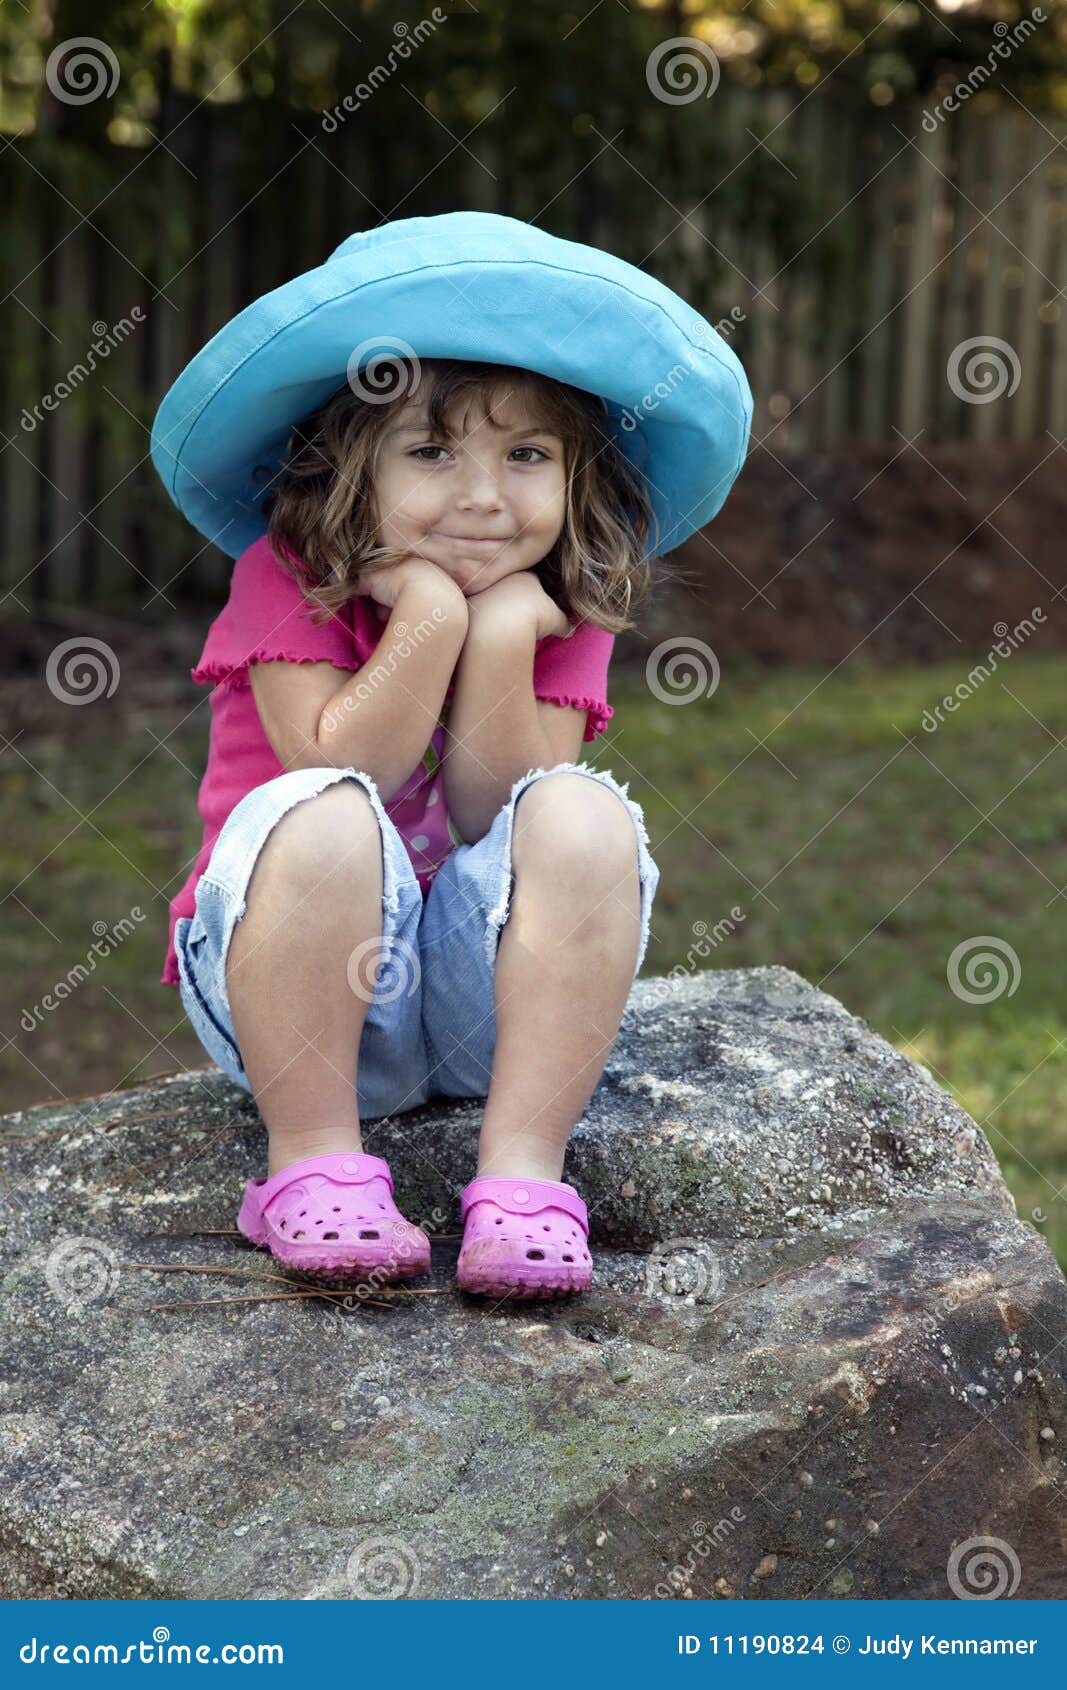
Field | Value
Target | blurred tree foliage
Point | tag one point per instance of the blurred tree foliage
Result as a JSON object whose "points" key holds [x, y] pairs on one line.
{"points": [[545, 111], [566, 59], [885, 48]]}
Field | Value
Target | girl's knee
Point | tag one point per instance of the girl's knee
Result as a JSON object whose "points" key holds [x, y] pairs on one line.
{"points": [[327, 831], [571, 815]]}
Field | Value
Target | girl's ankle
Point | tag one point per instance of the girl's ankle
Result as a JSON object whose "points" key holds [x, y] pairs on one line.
{"points": [[520, 1168], [285, 1148]]}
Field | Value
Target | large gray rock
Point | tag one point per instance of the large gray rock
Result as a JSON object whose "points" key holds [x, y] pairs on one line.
{"points": [[820, 1356]]}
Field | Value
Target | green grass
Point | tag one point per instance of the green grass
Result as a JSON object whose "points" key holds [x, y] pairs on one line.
{"points": [[852, 840], [854, 843]]}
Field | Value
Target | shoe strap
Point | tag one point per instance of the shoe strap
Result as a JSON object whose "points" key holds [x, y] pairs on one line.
{"points": [[347, 1167], [524, 1197]]}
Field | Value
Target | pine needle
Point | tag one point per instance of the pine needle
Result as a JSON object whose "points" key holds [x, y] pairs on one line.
{"points": [[265, 1297], [197, 1267], [278, 1278]]}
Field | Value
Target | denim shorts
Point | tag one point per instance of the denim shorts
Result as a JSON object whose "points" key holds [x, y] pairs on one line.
{"points": [[430, 1026]]}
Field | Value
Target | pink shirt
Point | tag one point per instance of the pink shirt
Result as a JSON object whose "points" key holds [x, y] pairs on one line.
{"points": [[266, 618]]}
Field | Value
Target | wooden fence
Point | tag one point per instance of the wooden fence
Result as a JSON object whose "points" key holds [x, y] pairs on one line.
{"points": [[913, 239]]}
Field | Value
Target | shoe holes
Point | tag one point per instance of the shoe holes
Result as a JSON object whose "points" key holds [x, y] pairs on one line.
{"points": [[498, 1221], [367, 1233], [336, 1209], [535, 1255], [298, 1235], [331, 1235], [568, 1258]]}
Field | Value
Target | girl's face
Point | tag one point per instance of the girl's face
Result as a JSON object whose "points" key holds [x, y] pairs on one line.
{"points": [[481, 507]]}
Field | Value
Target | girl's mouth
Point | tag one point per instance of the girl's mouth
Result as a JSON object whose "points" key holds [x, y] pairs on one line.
{"points": [[472, 539]]}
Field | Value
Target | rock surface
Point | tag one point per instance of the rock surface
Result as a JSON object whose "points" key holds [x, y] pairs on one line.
{"points": [[820, 1356]]}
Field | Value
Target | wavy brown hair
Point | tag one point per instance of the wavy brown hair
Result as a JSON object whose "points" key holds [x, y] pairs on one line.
{"points": [[320, 502]]}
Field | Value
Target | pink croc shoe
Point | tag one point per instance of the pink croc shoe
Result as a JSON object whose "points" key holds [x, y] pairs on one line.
{"points": [[523, 1238], [334, 1217]]}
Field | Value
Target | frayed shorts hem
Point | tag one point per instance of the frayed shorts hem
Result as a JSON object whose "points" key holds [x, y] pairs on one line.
{"points": [[430, 1027]]}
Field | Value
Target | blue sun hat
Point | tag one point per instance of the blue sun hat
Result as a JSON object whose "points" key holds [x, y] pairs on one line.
{"points": [[472, 285]]}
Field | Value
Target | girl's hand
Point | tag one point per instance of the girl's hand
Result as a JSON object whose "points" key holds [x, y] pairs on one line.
{"points": [[520, 600], [385, 585]]}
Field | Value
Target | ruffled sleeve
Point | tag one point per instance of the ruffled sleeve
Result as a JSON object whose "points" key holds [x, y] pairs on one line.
{"points": [[267, 617], [575, 671]]}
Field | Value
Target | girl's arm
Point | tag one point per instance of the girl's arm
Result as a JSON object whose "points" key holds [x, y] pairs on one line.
{"points": [[381, 718], [497, 730]]}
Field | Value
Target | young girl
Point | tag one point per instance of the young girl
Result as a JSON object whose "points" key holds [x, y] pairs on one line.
{"points": [[408, 886]]}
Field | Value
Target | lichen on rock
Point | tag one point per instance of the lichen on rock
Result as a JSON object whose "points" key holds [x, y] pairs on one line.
{"points": [[819, 1354]]}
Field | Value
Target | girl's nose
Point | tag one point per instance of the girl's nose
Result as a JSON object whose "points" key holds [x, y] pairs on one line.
{"points": [[479, 489]]}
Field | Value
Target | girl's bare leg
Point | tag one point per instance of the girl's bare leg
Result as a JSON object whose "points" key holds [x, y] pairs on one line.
{"points": [[564, 970], [315, 895]]}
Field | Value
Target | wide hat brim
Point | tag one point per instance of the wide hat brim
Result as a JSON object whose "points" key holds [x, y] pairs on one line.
{"points": [[471, 285]]}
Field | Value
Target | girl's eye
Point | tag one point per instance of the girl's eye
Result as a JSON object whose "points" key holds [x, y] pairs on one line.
{"points": [[418, 454]]}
